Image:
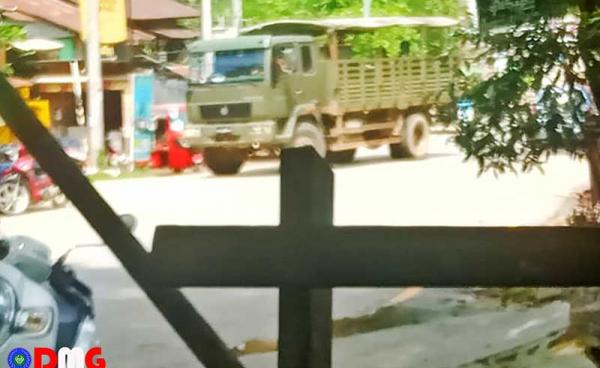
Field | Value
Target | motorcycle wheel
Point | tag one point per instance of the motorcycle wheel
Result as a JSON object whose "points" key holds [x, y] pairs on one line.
{"points": [[60, 200], [11, 205]]}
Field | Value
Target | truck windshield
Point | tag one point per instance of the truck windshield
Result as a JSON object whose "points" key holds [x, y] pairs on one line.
{"points": [[238, 66]]}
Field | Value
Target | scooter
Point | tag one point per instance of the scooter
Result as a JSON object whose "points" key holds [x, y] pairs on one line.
{"points": [[43, 304], [23, 182]]}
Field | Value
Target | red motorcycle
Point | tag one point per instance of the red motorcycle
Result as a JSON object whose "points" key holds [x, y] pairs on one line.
{"points": [[23, 183]]}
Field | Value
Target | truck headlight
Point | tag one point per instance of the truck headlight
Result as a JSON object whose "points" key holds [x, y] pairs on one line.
{"points": [[8, 303]]}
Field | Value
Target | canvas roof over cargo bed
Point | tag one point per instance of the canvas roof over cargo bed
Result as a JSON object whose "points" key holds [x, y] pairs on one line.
{"points": [[321, 26]]}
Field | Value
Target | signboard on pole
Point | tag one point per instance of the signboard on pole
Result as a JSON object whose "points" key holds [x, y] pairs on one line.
{"points": [[112, 20], [143, 100]]}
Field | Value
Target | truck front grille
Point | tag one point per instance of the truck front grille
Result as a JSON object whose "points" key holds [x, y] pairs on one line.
{"points": [[225, 111]]}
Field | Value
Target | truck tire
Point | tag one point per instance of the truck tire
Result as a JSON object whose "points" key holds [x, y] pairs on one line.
{"points": [[225, 161], [309, 134], [341, 157], [415, 138]]}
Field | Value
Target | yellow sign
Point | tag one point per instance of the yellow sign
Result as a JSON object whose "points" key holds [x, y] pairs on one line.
{"points": [[112, 20], [41, 109]]}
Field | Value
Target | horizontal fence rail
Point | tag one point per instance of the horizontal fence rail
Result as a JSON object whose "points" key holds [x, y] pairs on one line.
{"points": [[376, 256]]}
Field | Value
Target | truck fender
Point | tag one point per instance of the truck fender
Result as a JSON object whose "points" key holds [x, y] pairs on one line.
{"points": [[308, 109]]}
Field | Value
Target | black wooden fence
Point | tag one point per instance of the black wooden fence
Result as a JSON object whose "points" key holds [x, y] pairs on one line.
{"points": [[306, 255]]}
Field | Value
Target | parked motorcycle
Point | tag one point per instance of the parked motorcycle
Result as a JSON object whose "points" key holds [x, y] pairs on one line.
{"points": [[41, 304], [23, 182]]}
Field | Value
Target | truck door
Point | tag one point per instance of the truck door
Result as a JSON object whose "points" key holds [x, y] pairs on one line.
{"points": [[286, 65], [304, 84]]}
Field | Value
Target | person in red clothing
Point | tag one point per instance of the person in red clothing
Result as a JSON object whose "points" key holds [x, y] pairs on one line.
{"points": [[168, 151], [180, 158], [159, 156]]}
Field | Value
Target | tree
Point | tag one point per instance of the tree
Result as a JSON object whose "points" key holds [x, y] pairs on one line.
{"points": [[367, 44], [9, 32], [539, 103], [535, 106]]}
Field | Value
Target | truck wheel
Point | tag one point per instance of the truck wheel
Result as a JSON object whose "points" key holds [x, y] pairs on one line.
{"points": [[309, 134], [415, 138], [225, 161], [341, 157]]}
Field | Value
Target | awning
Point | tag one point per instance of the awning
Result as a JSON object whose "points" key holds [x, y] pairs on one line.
{"points": [[68, 78], [19, 17], [44, 30], [320, 26], [57, 12], [38, 44], [136, 35], [175, 33]]}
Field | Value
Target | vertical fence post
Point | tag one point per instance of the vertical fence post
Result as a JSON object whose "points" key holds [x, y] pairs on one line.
{"points": [[305, 326]]}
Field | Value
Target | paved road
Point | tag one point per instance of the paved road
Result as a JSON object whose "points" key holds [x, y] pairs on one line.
{"points": [[440, 190]]}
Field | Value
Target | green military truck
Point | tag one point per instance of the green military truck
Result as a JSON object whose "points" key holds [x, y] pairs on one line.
{"points": [[290, 83]]}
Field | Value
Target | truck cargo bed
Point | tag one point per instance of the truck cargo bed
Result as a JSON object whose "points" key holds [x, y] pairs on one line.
{"points": [[385, 83]]}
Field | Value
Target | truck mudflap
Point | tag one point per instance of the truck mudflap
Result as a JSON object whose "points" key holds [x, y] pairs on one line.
{"points": [[230, 135]]}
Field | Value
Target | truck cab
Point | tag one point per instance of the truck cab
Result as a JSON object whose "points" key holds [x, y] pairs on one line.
{"points": [[252, 92]]}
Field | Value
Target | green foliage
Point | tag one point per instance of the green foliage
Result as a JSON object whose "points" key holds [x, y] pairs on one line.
{"points": [[369, 44], [533, 107], [9, 32], [256, 11], [385, 41]]}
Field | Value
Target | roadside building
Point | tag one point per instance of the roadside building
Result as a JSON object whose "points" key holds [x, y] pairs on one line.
{"points": [[51, 58]]}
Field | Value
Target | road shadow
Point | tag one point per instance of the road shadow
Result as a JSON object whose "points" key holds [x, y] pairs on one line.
{"points": [[251, 172], [384, 159], [372, 160], [260, 172]]}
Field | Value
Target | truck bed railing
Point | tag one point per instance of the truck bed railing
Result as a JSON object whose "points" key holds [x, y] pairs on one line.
{"points": [[403, 82]]}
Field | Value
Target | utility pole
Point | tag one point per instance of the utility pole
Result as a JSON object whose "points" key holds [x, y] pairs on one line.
{"points": [[207, 34], [367, 8], [471, 6], [76, 76], [236, 9], [95, 93]]}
